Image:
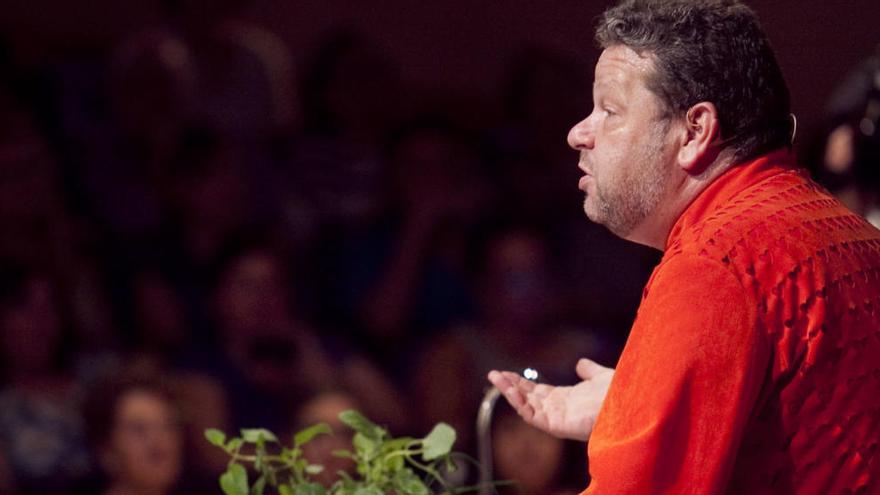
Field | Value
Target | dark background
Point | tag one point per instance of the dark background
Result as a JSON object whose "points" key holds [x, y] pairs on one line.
{"points": [[244, 257], [464, 45]]}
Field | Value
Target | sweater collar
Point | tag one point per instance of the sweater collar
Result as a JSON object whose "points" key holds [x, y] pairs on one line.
{"points": [[733, 181]]}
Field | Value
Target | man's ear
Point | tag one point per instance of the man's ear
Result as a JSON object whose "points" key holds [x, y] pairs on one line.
{"points": [[701, 129]]}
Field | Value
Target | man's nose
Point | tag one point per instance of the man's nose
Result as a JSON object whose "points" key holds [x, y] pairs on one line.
{"points": [[581, 136]]}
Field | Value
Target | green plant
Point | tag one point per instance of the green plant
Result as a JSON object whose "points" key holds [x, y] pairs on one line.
{"points": [[404, 466]]}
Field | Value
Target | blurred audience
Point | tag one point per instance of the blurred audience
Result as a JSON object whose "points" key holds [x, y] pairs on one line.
{"points": [[279, 244]]}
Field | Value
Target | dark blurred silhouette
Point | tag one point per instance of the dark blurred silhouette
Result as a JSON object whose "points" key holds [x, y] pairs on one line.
{"points": [[41, 440], [402, 274], [518, 325]]}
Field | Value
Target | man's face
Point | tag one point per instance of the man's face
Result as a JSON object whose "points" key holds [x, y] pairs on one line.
{"points": [[623, 144]]}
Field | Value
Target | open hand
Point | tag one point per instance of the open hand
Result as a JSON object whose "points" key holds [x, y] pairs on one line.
{"points": [[564, 412]]}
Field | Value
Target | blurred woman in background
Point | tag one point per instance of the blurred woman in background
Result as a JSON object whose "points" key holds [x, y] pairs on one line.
{"points": [[135, 432]]}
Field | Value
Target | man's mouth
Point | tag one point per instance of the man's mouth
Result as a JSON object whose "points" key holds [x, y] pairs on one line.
{"points": [[582, 184]]}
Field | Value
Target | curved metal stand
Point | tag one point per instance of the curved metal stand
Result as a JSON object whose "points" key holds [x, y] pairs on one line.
{"points": [[484, 432], [484, 439]]}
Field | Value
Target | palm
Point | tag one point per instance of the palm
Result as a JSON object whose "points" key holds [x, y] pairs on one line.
{"points": [[564, 412]]}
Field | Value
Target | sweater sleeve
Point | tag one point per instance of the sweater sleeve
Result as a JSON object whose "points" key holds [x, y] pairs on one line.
{"points": [[684, 388]]}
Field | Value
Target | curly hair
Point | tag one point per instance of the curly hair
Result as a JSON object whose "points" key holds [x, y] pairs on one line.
{"points": [[708, 50]]}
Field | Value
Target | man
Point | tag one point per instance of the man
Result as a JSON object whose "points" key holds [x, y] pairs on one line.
{"points": [[753, 365]]}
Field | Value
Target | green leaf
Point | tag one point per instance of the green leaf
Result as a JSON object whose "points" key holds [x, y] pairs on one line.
{"points": [[305, 436], [364, 446], [368, 490], [439, 442], [395, 463], [310, 489], [359, 423], [314, 469], [234, 480], [290, 454], [216, 437], [406, 482], [397, 444], [451, 465], [259, 486], [340, 489], [345, 454], [285, 490], [234, 445], [252, 435]]}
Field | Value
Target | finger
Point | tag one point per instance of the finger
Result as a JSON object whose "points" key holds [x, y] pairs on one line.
{"points": [[497, 379], [587, 369], [508, 388], [515, 389], [504, 380]]}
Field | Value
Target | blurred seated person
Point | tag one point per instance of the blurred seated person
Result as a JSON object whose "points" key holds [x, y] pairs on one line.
{"points": [[518, 325], [402, 276], [134, 428], [40, 433], [270, 358]]}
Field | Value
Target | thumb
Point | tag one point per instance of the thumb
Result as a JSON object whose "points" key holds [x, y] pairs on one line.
{"points": [[587, 369]]}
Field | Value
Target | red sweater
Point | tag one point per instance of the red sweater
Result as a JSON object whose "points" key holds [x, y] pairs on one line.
{"points": [[753, 365]]}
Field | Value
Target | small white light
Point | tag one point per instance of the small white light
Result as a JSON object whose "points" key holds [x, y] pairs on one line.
{"points": [[530, 374]]}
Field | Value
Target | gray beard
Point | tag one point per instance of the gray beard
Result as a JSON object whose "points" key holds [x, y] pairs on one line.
{"points": [[624, 206]]}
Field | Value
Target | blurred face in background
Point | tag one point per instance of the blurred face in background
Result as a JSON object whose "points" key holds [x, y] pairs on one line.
{"points": [[259, 330], [518, 284], [144, 449], [252, 296]]}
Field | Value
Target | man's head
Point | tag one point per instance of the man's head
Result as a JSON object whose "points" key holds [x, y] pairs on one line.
{"points": [[679, 83]]}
